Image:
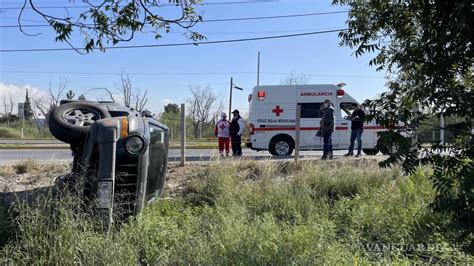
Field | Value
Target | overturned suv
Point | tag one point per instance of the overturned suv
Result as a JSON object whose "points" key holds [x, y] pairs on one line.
{"points": [[120, 155]]}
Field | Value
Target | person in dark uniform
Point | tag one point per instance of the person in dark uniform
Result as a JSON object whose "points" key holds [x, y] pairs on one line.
{"points": [[327, 128], [236, 130], [357, 128]]}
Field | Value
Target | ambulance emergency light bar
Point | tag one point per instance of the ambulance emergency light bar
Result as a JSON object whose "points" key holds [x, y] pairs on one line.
{"points": [[340, 91]]}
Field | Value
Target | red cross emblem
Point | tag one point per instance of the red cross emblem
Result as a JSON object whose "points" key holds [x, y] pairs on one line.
{"points": [[277, 110], [222, 126]]}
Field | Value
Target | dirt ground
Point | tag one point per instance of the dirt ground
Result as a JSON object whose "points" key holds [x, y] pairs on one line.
{"points": [[28, 176]]}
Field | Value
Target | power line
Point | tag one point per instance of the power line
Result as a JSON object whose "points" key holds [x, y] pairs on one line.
{"points": [[179, 73], [176, 44], [211, 20], [162, 5]]}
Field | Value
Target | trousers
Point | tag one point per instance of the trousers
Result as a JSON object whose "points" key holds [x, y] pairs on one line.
{"points": [[224, 144]]}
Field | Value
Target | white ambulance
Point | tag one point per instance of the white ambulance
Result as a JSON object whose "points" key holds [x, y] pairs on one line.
{"points": [[272, 118]]}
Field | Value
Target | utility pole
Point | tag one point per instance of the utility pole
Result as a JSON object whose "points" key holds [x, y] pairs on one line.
{"points": [[258, 69], [232, 86], [230, 97]]}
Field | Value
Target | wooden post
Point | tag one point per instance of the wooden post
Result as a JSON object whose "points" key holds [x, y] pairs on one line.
{"points": [[297, 132], [183, 135]]}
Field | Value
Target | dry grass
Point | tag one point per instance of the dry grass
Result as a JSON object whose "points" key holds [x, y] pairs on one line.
{"points": [[28, 174]]}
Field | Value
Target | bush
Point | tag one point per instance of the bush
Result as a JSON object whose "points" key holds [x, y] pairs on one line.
{"points": [[24, 166], [9, 133]]}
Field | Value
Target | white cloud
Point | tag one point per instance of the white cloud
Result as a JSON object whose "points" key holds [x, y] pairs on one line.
{"points": [[18, 94]]}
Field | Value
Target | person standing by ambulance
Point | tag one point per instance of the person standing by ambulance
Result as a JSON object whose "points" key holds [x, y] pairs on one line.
{"points": [[327, 127], [236, 130], [357, 117], [222, 132]]}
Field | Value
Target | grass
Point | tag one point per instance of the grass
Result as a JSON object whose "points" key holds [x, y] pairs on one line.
{"points": [[247, 212], [30, 130], [9, 133]]}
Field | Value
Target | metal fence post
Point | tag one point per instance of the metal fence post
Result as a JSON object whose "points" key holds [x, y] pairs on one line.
{"points": [[183, 135], [297, 132], [441, 126]]}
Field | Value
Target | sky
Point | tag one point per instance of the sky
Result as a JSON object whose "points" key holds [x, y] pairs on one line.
{"points": [[168, 72]]}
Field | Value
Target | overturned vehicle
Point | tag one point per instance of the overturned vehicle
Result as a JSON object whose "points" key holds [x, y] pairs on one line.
{"points": [[120, 155]]}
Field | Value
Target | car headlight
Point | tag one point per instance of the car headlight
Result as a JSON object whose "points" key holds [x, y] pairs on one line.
{"points": [[134, 144]]}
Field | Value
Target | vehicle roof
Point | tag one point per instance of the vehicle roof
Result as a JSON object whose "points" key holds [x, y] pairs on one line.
{"points": [[295, 86]]}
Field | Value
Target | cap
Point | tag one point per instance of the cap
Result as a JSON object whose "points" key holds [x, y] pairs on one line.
{"points": [[223, 114], [327, 101], [235, 111]]}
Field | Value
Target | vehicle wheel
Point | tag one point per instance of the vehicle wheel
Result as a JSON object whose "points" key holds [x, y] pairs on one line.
{"points": [[281, 146], [70, 122], [370, 151]]}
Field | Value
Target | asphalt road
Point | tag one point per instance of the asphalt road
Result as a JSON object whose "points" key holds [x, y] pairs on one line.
{"points": [[30, 141], [11, 155]]}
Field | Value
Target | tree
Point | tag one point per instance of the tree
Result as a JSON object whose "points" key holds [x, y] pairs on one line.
{"points": [[200, 106], [27, 109], [426, 48], [70, 95], [171, 118], [113, 22], [8, 106], [172, 108], [6, 109], [132, 97], [81, 97], [45, 104], [295, 79]]}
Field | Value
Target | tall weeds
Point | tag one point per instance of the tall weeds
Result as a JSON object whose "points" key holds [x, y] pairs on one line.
{"points": [[246, 212]]}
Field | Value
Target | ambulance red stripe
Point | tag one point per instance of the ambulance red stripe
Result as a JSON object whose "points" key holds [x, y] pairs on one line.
{"points": [[308, 128]]}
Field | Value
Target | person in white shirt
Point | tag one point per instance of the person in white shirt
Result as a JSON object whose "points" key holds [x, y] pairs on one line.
{"points": [[222, 132], [236, 130]]}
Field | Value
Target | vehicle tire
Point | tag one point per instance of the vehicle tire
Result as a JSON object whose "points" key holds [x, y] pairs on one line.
{"points": [[370, 151], [71, 122], [281, 146]]}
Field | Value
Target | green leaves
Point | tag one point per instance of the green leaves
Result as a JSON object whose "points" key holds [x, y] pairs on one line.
{"points": [[426, 49], [113, 22]]}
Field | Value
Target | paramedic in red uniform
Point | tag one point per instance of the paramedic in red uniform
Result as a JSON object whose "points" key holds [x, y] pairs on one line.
{"points": [[357, 117], [236, 130], [222, 132]]}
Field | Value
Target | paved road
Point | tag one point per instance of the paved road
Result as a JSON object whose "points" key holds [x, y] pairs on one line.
{"points": [[30, 141], [8, 156]]}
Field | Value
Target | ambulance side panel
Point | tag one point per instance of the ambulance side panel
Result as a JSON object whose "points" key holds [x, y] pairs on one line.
{"points": [[273, 115]]}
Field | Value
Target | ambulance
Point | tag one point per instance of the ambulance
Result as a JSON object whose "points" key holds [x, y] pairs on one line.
{"points": [[272, 118]]}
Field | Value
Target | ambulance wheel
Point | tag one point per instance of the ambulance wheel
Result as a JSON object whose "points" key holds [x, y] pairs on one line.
{"points": [[281, 146], [370, 151]]}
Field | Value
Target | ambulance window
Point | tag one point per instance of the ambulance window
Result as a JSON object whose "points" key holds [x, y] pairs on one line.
{"points": [[310, 110], [346, 109]]}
